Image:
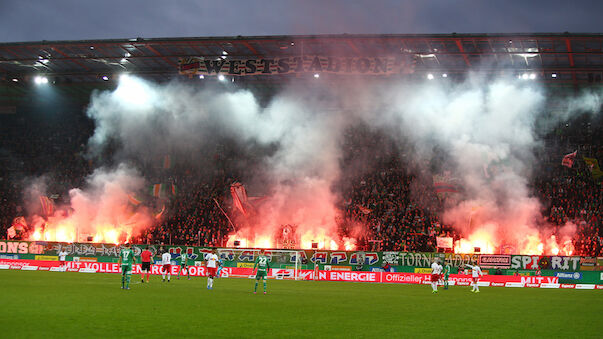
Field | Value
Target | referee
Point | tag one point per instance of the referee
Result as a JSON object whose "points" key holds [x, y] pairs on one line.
{"points": [[146, 263]]}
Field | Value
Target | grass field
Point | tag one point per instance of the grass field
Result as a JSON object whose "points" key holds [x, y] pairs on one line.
{"points": [[61, 304]]}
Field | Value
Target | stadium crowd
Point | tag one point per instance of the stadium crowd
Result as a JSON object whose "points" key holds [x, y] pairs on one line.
{"points": [[385, 190]]}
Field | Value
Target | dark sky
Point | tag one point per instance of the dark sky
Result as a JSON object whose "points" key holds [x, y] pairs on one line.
{"points": [[34, 20]]}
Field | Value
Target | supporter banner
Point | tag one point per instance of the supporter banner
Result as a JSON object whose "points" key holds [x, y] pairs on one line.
{"points": [[296, 64], [350, 260], [545, 262], [494, 261], [444, 242]]}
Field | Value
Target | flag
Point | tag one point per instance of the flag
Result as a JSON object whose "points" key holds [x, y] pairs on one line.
{"points": [[134, 200], [47, 205], [156, 190], [173, 189], [593, 164], [568, 159], [443, 184], [239, 196], [167, 162]]}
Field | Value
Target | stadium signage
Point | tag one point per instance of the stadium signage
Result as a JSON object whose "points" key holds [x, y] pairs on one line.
{"points": [[349, 276], [375, 65], [495, 261]]}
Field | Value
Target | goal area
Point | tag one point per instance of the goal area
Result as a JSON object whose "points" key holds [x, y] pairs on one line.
{"points": [[284, 264]]}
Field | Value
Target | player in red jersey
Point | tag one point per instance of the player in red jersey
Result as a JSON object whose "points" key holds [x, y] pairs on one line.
{"points": [[146, 263]]}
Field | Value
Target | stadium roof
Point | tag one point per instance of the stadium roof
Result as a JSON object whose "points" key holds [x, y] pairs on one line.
{"points": [[80, 66]]}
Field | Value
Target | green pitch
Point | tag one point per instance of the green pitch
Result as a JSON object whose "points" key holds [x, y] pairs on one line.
{"points": [[57, 304]]}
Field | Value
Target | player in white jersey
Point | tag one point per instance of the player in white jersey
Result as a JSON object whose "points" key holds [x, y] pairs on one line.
{"points": [[62, 264], [436, 270], [166, 262], [211, 262], [476, 272]]}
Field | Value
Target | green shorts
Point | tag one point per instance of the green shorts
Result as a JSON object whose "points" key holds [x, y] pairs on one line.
{"points": [[126, 269], [261, 274]]}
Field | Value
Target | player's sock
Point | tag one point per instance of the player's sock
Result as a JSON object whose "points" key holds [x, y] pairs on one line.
{"points": [[163, 275], [255, 289], [148, 274], [128, 277], [264, 286], [169, 276], [122, 280]]}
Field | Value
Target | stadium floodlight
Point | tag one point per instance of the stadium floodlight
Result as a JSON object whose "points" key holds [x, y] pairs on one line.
{"points": [[430, 76], [221, 77], [123, 60], [444, 75], [106, 78], [15, 80], [316, 75], [201, 76], [554, 75], [127, 55], [224, 53], [91, 47], [39, 80], [525, 76], [532, 76], [223, 57]]}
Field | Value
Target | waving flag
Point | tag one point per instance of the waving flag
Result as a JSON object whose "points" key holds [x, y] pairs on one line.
{"points": [[47, 205], [568, 159], [444, 184], [239, 196]]}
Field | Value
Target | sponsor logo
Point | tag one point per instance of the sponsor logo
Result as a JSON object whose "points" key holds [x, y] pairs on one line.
{"points": [[567, 286], [463, 283], [338, 258], [9, 256], [44, 268], [404, 278], [500, 284], [423, 270], [245, 264], [588, 261], [282, 273], [47, 257], [349, 276], [599, 287], [532, 285], [491, 260], [569, 275]]}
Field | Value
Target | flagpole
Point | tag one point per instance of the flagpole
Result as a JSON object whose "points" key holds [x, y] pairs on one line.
{"points": [[220, 207]]}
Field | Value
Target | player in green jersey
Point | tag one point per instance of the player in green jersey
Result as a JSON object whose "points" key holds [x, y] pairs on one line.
{"points": [[184, 266], [262, 265], [447, 270], [126, 260]]}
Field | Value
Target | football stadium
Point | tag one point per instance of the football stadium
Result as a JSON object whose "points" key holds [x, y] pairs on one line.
{"points": [[336, 186]]}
